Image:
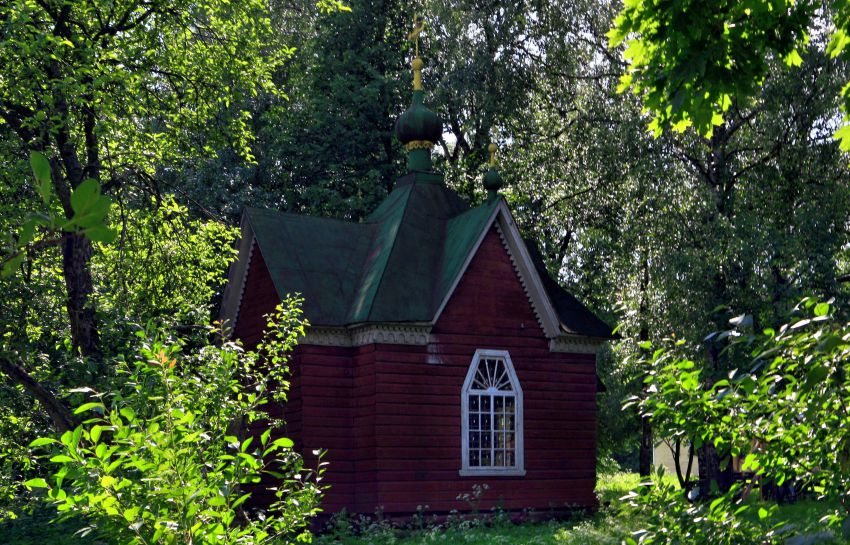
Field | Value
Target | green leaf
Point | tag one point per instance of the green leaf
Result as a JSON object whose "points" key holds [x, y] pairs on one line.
{"points": [[821, 309], [101, 233], [11, 266], [843, 136], [217, 501], [41, 441], [283, 442], [793, 58], [95, 433], [27, 231], [90, 207], [41, 170], [131, 514], [85, 196], [89, 406], [94, 215], [60, 458], [815, 376], [36, 483], [763, 513]]}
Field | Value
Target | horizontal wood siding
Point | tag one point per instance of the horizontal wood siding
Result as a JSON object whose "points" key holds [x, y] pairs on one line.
{"points": [[417, 404], [328, 420], [259, 299], [389, 415]]}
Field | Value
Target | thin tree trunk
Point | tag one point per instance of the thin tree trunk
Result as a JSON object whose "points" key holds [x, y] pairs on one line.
{"points": [[645, 458], [645, 453]]}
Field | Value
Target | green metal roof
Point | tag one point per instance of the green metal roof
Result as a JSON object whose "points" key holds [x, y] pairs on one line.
{"points": [[397, 266]]}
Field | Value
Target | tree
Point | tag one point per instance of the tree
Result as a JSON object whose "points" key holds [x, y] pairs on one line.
{"points": [[112, 90], [692, 64]]}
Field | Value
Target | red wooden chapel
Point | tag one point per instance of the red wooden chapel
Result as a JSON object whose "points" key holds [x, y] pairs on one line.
{"points": [[441, 353]]}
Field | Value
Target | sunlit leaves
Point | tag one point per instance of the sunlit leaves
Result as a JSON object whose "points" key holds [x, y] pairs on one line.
{"points": [[781, 411], [41, 171], [689, 61], [154, 461]]}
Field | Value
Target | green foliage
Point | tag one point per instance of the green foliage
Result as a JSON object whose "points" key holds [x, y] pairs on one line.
{"points": [[179, 266], [154, 73], [673, 520], [781, 410], [47, 227], [162, 460], [691, 61]]}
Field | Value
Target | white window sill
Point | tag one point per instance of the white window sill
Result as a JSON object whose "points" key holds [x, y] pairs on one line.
{"points": [[490, 472]]}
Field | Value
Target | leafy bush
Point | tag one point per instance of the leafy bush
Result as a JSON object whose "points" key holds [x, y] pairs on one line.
{"points": [[165, 459], [783, 411]]}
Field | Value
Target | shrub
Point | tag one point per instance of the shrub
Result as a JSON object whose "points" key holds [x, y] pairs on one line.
{"points": [[782, 410], [165, 459]]}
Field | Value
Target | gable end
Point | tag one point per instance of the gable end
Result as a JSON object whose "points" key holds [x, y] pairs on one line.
{"points": [[523, 266]]}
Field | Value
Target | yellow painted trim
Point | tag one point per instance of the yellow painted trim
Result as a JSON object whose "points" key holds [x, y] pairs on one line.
{"points": [[418, 144]]}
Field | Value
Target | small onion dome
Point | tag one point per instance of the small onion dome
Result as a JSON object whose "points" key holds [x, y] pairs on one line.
{"points": [[418, 127], [493, 180]]}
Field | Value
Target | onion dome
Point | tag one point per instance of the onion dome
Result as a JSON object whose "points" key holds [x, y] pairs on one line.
{"points": [[492, 180], [418, 128]]}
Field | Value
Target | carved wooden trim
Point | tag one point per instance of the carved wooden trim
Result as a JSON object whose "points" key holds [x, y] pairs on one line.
{"points": [[237, 276], [417, 335], [576, 344], [520, 276]]}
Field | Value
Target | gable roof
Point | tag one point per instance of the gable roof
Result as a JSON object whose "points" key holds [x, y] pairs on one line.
{"points": [[400, 265]]}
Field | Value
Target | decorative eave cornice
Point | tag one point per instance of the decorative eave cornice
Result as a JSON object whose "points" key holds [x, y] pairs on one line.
{"points": [[576, 344], [361, 335]]}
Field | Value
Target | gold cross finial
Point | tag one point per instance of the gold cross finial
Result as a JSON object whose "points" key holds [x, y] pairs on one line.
{"points": [[418, 26], [492, 148]]}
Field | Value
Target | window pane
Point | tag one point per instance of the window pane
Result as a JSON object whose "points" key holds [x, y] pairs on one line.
{"points": [[500, 440], [501, 422], [474, 439], [485, 403], [510, 461], [498, 404], [509, 404], [473, 403], [485, 422], [474, 458], [473, 422], [510, 425], [485, 458], [499, 459], [486, 440], [509, 441]]}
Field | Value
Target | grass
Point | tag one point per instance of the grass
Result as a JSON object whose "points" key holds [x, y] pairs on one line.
{"points": [[609, 526]]}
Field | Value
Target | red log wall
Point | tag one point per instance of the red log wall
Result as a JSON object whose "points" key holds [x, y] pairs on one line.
{"points": [[390, 420]]}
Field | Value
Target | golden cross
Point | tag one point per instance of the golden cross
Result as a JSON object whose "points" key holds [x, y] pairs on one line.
{"points": [[418, 27]]}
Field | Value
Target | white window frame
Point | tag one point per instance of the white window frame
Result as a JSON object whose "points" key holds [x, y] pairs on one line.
{"points": [[519, 451]]}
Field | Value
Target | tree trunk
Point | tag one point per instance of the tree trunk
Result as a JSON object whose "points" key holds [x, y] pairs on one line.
{"points": [[711, 471], [76, 258], [645, 457], [645, 454]]}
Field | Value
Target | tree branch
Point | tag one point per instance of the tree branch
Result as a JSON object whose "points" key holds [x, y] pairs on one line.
{"points": [[63, 419]]}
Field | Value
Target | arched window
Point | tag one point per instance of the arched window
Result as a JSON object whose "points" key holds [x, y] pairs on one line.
{"points": [[491, 405]]}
